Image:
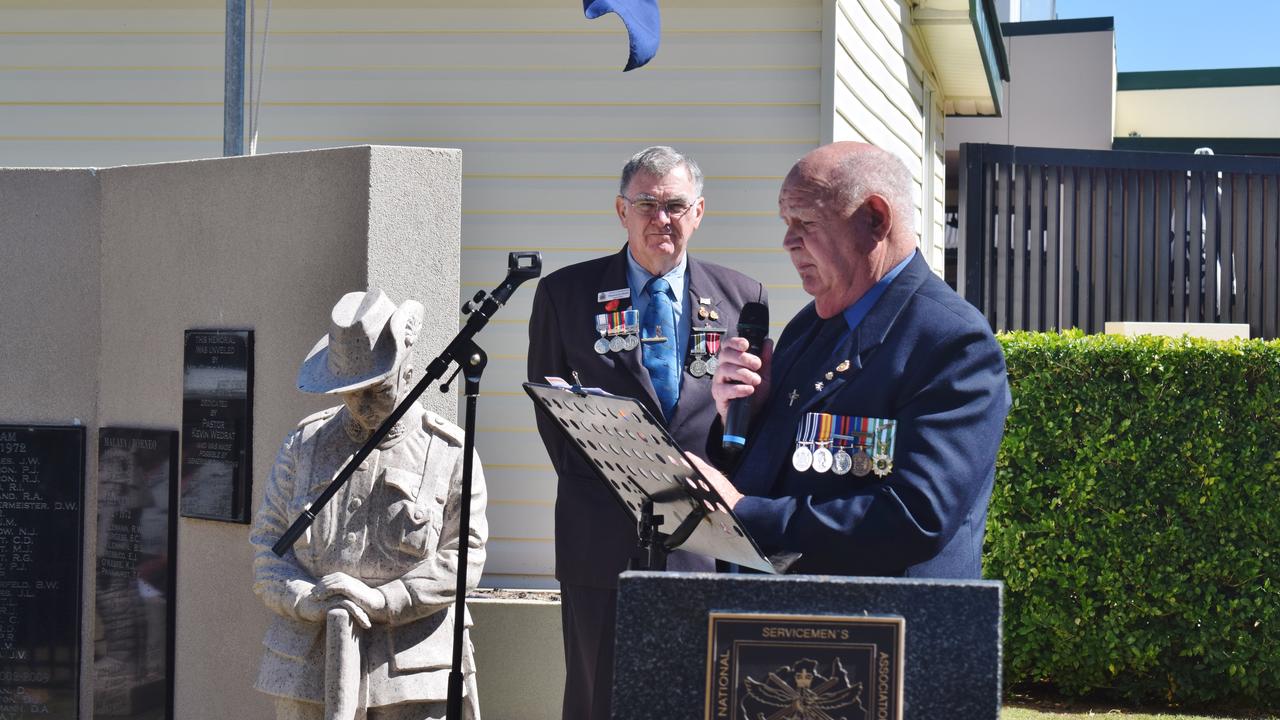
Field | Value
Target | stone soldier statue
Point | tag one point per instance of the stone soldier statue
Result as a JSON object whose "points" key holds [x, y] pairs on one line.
{"points": [[364, 602]]}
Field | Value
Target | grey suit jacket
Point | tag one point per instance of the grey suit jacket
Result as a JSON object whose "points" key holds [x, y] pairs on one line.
{"points": [[594, 534]]}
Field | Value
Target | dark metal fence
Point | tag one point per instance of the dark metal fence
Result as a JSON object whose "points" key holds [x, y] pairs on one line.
{"points": [[1053, 239]]}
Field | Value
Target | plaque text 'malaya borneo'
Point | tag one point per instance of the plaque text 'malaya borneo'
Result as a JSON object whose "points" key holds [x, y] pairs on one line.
{"points": [[804, 667]]}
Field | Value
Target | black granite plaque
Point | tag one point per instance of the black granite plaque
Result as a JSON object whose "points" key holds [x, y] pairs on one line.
{"points": [[804, 666], [950, 645], [134, 610], [217, 427], [41, 522]]}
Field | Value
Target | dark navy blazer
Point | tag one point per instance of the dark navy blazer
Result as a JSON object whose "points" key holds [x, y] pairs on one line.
{"points": [[923, 357], [595, 536]]}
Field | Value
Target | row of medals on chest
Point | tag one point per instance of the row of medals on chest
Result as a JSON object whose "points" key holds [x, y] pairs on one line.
{"points": [[862, 445], [842, 444], [619, 331]]}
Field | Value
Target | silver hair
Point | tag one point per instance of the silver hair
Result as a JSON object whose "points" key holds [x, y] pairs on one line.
{"points": [[882, 173], [660, 160]]}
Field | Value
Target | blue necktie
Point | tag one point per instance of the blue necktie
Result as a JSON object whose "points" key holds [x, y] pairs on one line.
{"points": [[659, 351]]}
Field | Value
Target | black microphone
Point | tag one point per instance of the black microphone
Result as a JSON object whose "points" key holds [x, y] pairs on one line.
{"points": [[753, 324]]}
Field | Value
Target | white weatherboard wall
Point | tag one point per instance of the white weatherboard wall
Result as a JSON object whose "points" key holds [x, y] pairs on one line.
{"points": [[883, 92], [534, 96]]}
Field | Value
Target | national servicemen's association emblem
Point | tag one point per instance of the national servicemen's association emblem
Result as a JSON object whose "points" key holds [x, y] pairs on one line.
{"points": [[802, 692]]}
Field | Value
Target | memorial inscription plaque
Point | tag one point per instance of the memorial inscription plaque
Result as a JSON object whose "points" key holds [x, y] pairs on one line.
{"points": [[804, 667], [217, 427], [41, 523], [134, 610]]}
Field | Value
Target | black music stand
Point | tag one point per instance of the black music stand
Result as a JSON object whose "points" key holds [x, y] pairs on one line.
{"points": [[672, 503]]}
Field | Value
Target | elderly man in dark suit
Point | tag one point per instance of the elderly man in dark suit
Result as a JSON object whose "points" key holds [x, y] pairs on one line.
{"points": [[880, 412], [645, 322]]}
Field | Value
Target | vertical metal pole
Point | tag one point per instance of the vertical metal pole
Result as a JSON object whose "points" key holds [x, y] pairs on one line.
{"points": [[233, 81], [472, 368]]}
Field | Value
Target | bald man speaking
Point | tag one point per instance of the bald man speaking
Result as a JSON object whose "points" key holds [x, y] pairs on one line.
{"points": [[878, 416]]}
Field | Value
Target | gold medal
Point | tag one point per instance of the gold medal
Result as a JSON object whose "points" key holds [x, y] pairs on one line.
{"points": [[881, 464]]}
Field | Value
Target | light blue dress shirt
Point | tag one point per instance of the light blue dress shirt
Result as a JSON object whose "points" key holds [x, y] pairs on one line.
{"points": [[638, 277]]}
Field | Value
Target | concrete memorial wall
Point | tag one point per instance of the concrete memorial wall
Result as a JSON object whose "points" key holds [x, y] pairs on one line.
{"points": [[105, 271]]}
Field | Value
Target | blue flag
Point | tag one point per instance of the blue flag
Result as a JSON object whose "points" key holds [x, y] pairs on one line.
{"points": [[644, 27]]}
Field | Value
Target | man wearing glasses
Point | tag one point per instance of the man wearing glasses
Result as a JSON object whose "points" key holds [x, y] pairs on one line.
{"points": [[645, 322]]}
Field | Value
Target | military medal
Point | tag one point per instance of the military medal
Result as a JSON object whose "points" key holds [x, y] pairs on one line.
{"points": [[602, 327], [631, 322], [713, 352], [885, 437], [802, 458], [842, 463], [860, 463], [617, 344], [822, 457], [697, 350]]}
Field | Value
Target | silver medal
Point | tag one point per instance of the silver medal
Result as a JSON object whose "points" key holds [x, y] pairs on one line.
{"points": [[698, 368], [630, 342], [843, 463], [712, 363], [617, 344], [801, 459], [602, 346], [822, 460]]}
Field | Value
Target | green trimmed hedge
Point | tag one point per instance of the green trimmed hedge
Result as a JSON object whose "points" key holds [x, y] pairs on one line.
{"points": [[1136, 519]]}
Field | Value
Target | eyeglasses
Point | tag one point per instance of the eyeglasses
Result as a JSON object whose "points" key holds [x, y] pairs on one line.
{"points": [[649, 208]]}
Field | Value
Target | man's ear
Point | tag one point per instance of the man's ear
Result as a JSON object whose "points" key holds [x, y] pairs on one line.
{"points": [[618, 204], [879, 216]]}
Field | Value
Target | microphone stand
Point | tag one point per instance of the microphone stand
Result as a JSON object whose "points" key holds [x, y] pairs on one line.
{"points": [[471, 360]]}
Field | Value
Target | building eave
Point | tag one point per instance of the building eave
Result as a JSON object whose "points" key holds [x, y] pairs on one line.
{"points": [[964, 41]]}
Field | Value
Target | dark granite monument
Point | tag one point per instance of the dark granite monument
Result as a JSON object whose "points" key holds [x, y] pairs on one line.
{"points": [[41, 523], [217, 424], [694, 646], [134, 603]]}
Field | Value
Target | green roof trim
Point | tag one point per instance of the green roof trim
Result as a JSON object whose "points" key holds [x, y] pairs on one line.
{"points": [[1059, 27], [986, 29], [1221, 146], [1172, 79]]}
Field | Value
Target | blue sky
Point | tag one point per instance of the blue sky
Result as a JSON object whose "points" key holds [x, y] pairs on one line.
{"points": [[1187, 34]]}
